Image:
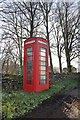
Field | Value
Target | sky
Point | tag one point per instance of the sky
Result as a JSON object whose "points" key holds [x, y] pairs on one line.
{"points": [[56, 62], [54, 57]]}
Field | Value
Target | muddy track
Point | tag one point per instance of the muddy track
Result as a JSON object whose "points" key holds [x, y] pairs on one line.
{"points": [[54, 107]]}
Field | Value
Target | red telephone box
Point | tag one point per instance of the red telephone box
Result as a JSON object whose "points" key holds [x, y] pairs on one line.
{"points": [[35, 66]]}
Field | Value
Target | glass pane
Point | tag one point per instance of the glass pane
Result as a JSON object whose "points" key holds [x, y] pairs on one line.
{"points": [[29, 67], [42, 72], [29, 53], [42, 77], [43, 49], [29, 72], [42, 63], [43, 58], [29, 49], [30, 42], [42, 42], [43, 82], [29, 77], [42, 68], [29, 82], [42, 53], [29, 63], [29, 58]]}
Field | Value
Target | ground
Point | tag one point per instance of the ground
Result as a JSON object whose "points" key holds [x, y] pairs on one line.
{"points": [[61, 105]]}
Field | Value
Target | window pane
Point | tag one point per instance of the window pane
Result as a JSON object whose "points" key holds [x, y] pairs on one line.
{"points": [[43, 82], [29, 77], [29, 49], [29, 63], [42, 63], [43, 49], [30, 42], [29, 72], [42, 42], [42, 68], [29, 58], [29, 53], [42, 77], [29, 82], [42, 53], [29, 67], [43, 58], [42, 72]]}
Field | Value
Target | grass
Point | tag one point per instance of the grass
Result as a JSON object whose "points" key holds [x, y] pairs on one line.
{"points": [[16, 103]]}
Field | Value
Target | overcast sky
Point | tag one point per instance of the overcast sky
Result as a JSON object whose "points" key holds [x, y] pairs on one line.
{"points": [[54, 57]]}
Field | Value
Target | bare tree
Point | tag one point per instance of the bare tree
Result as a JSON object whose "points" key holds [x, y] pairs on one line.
{"points": [[68, 19], [21, 21], [7, 55], [12, 29], [57, 44], [79, 38], [32, 17], [46, 8]]}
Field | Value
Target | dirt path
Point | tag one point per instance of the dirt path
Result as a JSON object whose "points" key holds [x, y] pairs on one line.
{"points": [[58, 106]]}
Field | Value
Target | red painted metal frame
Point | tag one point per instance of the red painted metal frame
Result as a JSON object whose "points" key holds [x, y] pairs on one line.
{"points": [[36, 86]]}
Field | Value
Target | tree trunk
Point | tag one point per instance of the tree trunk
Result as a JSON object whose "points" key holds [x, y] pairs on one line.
{"points": [[20, 58], [15, 67], [67, 43], [21, 61], [59, 56], [3, 64], [20, 55], [60, 65], [32, 21], [31, 32], [68, 63], [21, 50], [51, 65], [7, 67]]}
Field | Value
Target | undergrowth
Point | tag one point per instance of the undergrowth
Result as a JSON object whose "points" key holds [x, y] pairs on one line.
{"points": [[16, 103]]}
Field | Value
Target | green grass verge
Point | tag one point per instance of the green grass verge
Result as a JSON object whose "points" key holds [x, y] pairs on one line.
{"points": [[16, 103]]}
